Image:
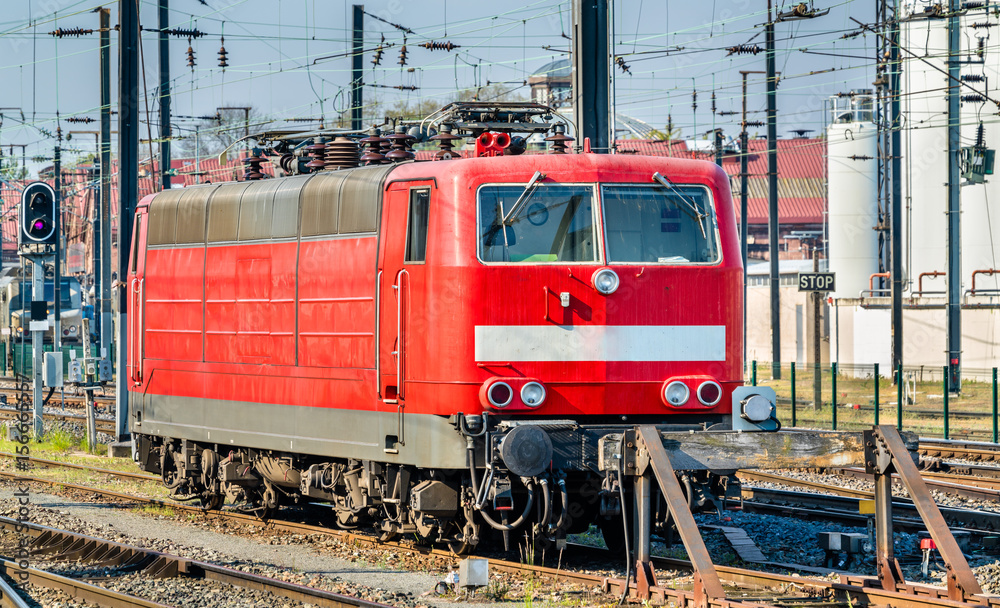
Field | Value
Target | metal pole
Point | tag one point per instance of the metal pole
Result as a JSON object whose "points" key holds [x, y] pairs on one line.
{"points": [[995, 405], [753, 374], [718, 147], [899, 398], [896, 213], [744, 193], [37, 293], [954, 199], [591, 94], [357, 68], [102, 289], [165, 159], [772, 195], [817, 351], [876, 394], [793, 392], [56, 271], [833, 393], [643, 517], [944, 401], [128, 188]]}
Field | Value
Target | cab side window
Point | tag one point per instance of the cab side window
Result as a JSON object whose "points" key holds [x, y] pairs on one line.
{"points": [[416, 226]]}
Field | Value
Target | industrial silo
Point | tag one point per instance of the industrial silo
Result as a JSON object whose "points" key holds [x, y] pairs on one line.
{"points": [[852, 178]]}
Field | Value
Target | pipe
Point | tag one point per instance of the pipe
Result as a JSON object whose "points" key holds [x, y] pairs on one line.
{"points": [[987, 272], [546, 504], [871, 280], [564, 497], [920, 281], [530, 484]]}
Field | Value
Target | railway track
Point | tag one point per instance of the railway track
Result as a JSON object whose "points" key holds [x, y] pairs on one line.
{"points": [[103, 424], [966, 450], [848, 587], [116, 559]]}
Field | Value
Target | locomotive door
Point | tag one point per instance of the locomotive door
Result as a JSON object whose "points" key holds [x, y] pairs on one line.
{"points": [[135, 298], [401, 260]]}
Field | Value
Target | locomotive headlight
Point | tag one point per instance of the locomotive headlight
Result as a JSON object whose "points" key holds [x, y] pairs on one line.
{"points": [[605, 281], [533, 394], [500, 394], [709, 393], [756, 408], [677, 393], [72, 330]]}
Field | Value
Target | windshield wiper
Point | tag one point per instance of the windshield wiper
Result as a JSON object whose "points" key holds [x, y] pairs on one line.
{"points": [[523, 199], [697, 215]]}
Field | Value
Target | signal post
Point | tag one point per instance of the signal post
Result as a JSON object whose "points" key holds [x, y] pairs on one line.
{"points": [[37, 241]]}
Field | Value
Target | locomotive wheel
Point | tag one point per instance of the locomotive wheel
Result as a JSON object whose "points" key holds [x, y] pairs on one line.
{"points": [[459, 547], [346, 520], [212, 502], [613, 532]]}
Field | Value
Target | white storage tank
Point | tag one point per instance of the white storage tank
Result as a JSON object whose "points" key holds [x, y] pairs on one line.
{"points": [[980, 202], [852, 186], [925, 143]]}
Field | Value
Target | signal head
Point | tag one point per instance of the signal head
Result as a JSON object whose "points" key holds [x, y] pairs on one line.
{"points": [[38, 214]]}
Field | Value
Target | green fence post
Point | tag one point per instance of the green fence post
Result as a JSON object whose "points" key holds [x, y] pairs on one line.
{"points": [[876, 394], [793, 393], [944, 384], [899, 397], [753, 373], [994, 405], [833, 394]]}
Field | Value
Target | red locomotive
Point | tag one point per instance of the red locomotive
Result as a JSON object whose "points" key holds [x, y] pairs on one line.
{"points": [[431, 346]]}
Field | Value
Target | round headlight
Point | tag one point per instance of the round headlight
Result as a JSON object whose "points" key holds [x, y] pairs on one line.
{"points": [[709, 393], [677, 393], [500, 394], [605, 281], [72, 329], [756, 408], [532, 394]]}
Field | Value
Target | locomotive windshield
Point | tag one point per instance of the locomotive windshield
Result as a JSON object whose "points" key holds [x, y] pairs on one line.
{"points": [[657, 224], [556, 224]]}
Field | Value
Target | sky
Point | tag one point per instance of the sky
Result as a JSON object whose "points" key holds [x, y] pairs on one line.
{"points": [[276, 51]]}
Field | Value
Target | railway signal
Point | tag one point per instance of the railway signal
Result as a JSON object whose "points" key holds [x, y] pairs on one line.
{"points": [[38, 213]]}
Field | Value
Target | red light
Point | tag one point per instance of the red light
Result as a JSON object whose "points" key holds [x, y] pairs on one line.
{"points": [[39, 225]]}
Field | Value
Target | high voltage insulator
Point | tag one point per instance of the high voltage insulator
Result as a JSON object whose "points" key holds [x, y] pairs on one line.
{"points": [[728, 112], [860, 157], [753, 123], [980, 136], [620, 62], [744, 49], [972, 78], [981, 47], [713, 102], [982, 25], [377, 59], [190, 55], [694, 100], [402, 54], [440, 46], [222, 54], [72, 32], [973, 98], [183, 33], [80, 119], [972, 5]]}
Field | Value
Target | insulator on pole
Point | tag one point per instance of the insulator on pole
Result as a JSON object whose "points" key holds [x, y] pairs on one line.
{"points": [[744, 49], [190, 55], [70, 32], [440, 46], [223, 55]]}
